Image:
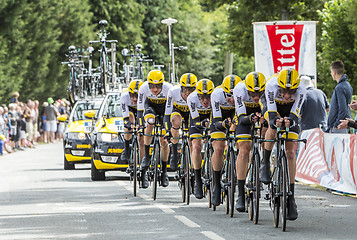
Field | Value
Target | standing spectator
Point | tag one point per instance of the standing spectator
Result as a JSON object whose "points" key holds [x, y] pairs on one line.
{"points": [[13, 124], [341, 97], [43, 123], [23, 124], [51, 119], [315, 107], [30, 114], [35, 121], [348, 122], [14, 98], [2, 131]]}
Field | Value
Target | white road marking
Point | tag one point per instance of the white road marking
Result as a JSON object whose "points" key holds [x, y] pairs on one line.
{"points": [[164, 208], [187, 221], [145, 197], [212, 235]]}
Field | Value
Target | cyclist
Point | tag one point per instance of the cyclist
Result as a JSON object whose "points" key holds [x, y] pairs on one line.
{"points": [[284, 95], [247, 95], [223, 112], [176, 109], [128, 102], [199, 103], [152, 101]]}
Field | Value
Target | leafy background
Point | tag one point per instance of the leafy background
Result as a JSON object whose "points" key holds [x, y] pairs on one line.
{"points": [[35, 35]]}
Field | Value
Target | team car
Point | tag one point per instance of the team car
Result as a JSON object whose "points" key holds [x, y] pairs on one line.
{"points": [[107, 142], [76, 142]]}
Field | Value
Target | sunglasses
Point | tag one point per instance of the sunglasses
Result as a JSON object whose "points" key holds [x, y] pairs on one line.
{"points": [[256, 94], [204, 96], [133, 95], [187, 89], [287, 91], [152, 85], [228, 95]]}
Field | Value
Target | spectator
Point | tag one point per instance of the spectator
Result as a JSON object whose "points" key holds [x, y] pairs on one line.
{"points": [[315, 107], [29, 115], [2, 131], [22, 133], [43, 123], [341, 97], [51, 119], [348, 122], [13, 124], [35, 121], [14, 98]]}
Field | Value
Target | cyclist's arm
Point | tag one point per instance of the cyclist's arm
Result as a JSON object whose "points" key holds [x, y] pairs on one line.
{"points": [[296, 108], [216, 110], [195, 116], [239, 92], [168, 110]]}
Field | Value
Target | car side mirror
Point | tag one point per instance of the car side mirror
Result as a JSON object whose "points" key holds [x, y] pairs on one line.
{"points": [[89, 114], [62, 118]]}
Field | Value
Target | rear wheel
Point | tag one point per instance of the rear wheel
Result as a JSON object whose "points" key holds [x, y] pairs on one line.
{"points": [[156, 156], [135, 166], [68, 165], [187, 174]]}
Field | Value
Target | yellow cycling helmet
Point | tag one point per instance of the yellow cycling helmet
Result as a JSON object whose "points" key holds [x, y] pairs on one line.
{"points": [[230, 82], [255, 82], [155, 77], [188, 80], [289, 79], [134, 86], [204, 86]]}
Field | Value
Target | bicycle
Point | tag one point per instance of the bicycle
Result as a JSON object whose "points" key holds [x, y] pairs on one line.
{"points": [[229, 173], [207, 169], [154, 172], [107, 68], [279, 188], [253, 185], [185, 170], [134, 160]]}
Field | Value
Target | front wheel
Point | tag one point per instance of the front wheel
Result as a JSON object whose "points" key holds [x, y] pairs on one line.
{"points": [[187, 174], [67, 165], [232, 181], [256, 192], [156, 160], [135, 166], [284, 189], [95, 174]]}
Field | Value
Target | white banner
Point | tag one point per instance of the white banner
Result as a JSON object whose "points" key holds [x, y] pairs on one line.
{"points": [[282, 44], [329, 160]]}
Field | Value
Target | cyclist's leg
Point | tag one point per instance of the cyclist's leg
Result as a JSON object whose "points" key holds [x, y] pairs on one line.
{"points": [[176, 122], [244, 144], [268, 147], [217, 162], [196, 147], [149, 116], [127, 138]]}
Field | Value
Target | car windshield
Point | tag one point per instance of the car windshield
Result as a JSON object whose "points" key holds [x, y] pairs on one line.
{"points": [[81, 107], [112, 106]]}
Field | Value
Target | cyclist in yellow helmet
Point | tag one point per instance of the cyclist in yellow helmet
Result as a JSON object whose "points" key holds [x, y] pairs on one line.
{"points": [[199, 103], [152, 100], [285, 96], [223, 112], [129, 102], [177, 109], [247, 96]]}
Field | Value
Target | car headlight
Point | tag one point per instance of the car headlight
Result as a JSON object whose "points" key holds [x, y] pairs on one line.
{"points": [[77, 135], [108, 137]]}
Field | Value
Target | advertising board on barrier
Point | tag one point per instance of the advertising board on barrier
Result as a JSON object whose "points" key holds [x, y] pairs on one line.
{"points": [[329, 160], [283, 44]]}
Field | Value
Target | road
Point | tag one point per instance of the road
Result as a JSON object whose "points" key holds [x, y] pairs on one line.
{"points": [[40, 200]]}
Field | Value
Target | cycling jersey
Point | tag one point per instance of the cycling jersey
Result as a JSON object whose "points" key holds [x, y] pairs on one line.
{"points": [[148, 101], [244, 107], [127, 105], [197, 114], [175, 105], [221, 110], [276, 105]]}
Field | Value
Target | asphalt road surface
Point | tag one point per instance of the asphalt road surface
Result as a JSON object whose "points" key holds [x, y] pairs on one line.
{"points": [[40, 200]]}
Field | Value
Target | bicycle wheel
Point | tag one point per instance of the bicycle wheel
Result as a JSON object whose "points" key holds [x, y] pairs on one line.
{"points": [[232, 180], [181, 178], [187, 174], [211, 184], [256, 192], [275, 199], [104, 68], [250, 194], [135, 165], [156, 156], [206, 175], [284, 189]]}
